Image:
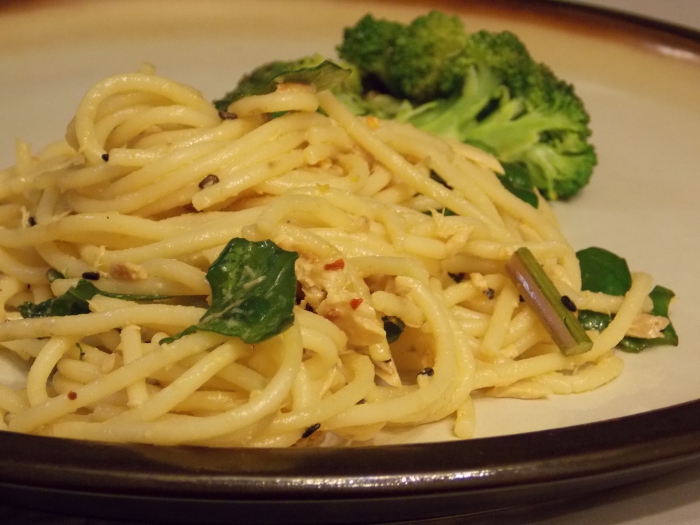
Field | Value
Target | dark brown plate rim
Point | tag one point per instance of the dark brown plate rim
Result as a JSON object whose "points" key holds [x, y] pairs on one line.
{"points": [[368, 484]]}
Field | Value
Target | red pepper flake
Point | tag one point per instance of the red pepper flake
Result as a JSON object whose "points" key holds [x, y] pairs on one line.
{"points": [[72, 395], [336, 265], [332, 314], [355, 303], [372, 122]]}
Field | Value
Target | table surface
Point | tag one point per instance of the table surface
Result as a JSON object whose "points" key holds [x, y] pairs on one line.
{"points": [[671, 499]]}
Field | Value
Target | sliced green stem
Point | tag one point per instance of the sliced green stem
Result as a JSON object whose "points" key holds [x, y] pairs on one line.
{"points": [[541, 295]]}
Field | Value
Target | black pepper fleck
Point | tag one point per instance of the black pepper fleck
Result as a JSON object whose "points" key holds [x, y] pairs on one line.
{"points": [[209, 180], [227, 115], [313, 428], [91, 276], [489, 293], [105, 157], [568, 303], [427, 371], [31, 221]]}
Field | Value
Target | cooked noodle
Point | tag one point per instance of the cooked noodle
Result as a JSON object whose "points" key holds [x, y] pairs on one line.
{"points": [[149, 186]]}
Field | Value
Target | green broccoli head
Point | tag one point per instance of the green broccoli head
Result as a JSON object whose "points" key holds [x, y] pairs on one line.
{"points": [[483, 88], [409, 61], [369, 44]]}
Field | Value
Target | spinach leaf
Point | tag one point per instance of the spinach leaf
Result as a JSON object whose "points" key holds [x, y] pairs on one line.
{"points": [[444, 211], [591, 320], [253, 292], [266, 78], [516, 180], [394, 327], [603, 271], [437, 178], [75, 300], [661, 298]]}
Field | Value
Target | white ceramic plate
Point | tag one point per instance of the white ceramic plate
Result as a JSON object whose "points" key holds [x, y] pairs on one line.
{"points": [[639, 81], [639, 84]]}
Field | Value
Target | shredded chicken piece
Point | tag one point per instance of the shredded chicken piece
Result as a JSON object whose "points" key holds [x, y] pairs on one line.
{"points": [[330, 293], [647, 326]]}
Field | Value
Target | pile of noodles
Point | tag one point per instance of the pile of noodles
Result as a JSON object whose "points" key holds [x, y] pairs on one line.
{"points": [[396, 230]]}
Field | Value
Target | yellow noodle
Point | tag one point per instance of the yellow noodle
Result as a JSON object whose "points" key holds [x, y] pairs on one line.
{"points": [[149, 185]]}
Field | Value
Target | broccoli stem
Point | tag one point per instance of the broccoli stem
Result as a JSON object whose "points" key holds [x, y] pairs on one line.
{"points": [[541, 295]]}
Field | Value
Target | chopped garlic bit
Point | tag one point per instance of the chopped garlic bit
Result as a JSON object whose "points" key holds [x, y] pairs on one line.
{"points": [[127, 271], [479, 282]]}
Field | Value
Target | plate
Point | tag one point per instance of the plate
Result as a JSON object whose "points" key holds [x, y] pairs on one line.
{"points": [[639, 80]]}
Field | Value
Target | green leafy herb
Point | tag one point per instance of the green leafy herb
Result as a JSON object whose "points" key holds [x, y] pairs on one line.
{"points": [[75, 300], [591, 320], [661, 298], [437, 178], [516, 180], [53, 274], [443, 211], [394, 327], [312, 70], [253, 292], [603, 271]]}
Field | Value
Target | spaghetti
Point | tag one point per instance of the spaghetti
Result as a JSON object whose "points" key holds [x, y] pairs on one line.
{"points": [[403, 314]]}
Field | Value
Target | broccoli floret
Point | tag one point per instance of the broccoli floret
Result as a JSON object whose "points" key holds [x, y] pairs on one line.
{"points": [[371, 41], [483, 88], [403, 59]]}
